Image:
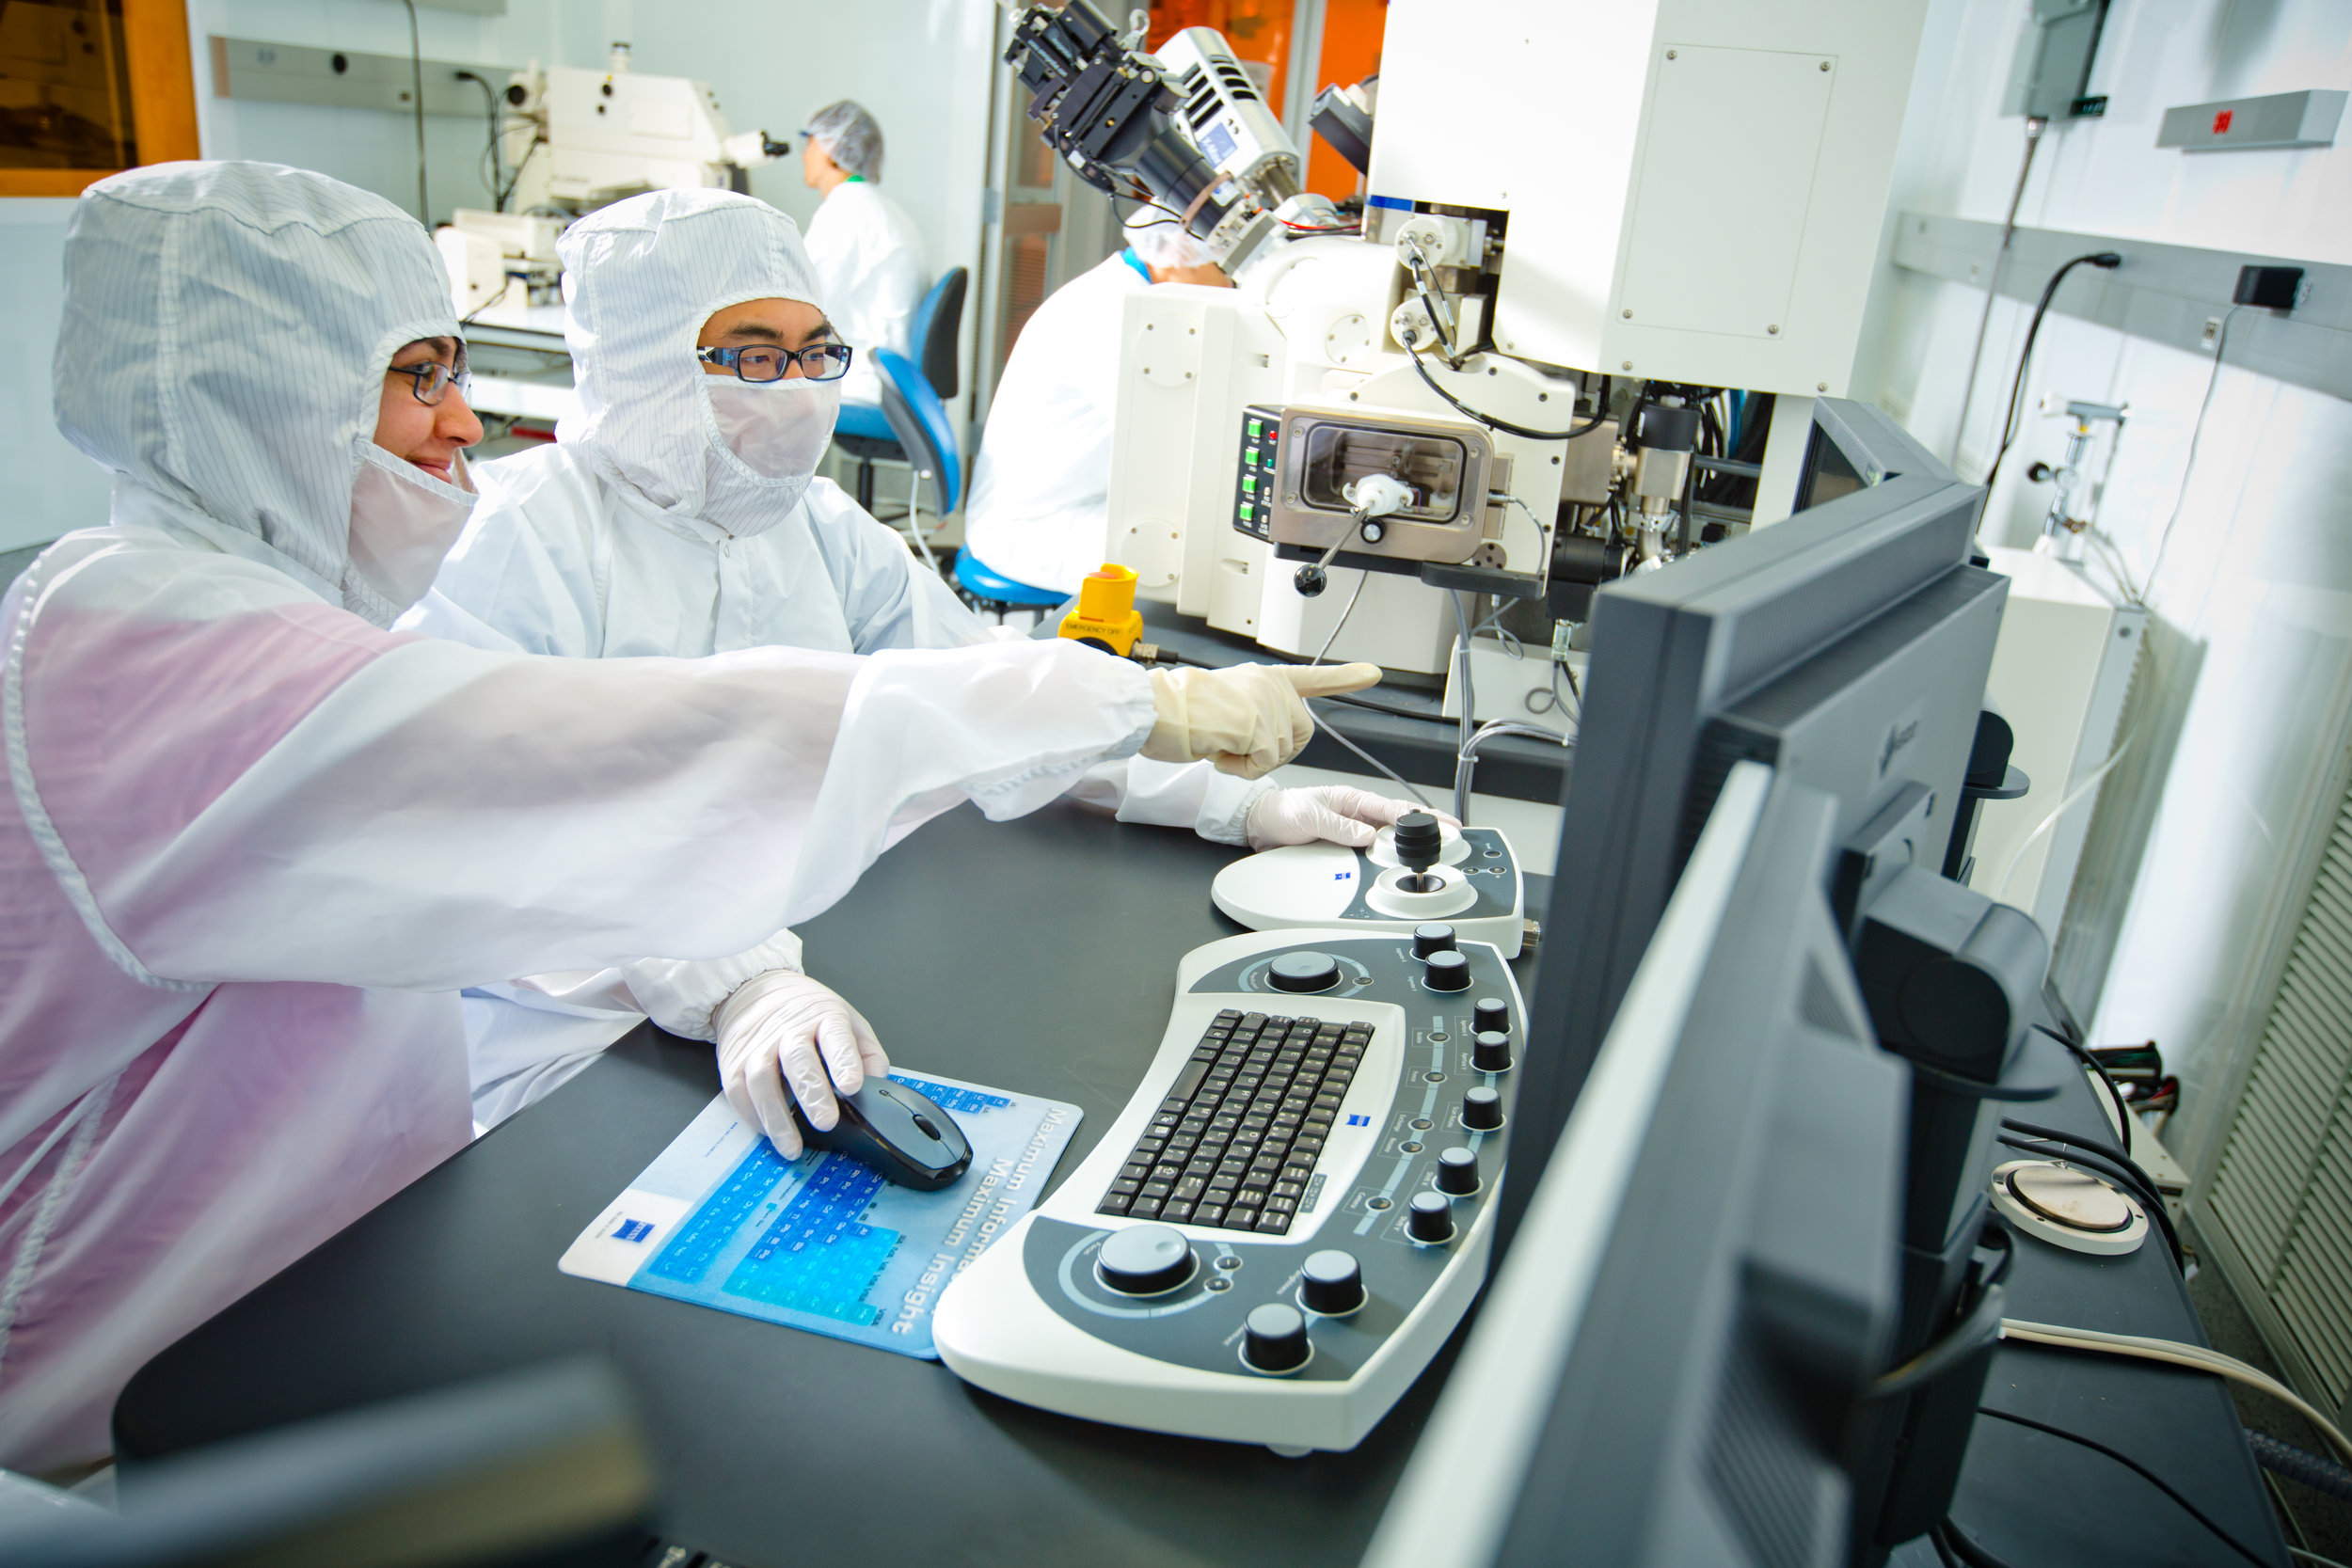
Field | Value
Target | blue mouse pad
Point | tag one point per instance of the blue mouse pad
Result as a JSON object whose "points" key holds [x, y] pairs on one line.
{"points": [[823, 1243]]}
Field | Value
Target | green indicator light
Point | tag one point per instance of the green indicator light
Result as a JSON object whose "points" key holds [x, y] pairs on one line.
{"points": [[1257, 428], [1250, 456], [1248, 512], [1250, 485]]}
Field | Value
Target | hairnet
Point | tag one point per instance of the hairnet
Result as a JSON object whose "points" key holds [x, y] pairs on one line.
{"points": [[641, 278], [1159, 240], [850, 137], [226, 328]]}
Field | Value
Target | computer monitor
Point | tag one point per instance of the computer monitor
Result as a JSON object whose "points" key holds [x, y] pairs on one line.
{"points": [[1705, 1280], [1848, 646]]}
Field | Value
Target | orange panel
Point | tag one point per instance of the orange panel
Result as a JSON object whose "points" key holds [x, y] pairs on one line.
{"points": [[1351, 34]]}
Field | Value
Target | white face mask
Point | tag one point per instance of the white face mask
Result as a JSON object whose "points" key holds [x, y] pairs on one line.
{"points": [[778, 428], [402, 522], [769, 439]]}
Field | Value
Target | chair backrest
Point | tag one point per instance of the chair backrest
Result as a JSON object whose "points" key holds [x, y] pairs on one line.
{"points": [[919, 419], [937, 321]]}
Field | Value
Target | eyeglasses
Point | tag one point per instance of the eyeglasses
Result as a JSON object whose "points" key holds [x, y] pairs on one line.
{"points": [[429, 380], [818, 362]]}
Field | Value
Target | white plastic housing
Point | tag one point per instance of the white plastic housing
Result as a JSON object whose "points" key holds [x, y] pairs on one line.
{"points": [[1694, 187], [646, 133]]}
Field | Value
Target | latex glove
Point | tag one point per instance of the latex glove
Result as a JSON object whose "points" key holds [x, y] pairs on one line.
{"points": [[781, 1028], [1248, 719], [1328, 813]]}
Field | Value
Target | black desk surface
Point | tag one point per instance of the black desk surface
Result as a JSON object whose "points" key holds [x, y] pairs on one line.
{"points": [[778, 1446]]}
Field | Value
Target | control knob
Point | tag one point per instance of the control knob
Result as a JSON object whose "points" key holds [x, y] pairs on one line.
{"points": [[1447, 971], [1331, 1284], [1481, 1110], [1274, 1338], [1304, 971], [1457, 1172], [1418, 843], [1490, 1051], [1435, 937], [1492, 1013], [1145, 1261], [1430, 1219]]}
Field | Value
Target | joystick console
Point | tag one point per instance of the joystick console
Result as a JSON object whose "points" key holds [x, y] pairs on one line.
{"points": [[1416, 871], [1291, 1215]]}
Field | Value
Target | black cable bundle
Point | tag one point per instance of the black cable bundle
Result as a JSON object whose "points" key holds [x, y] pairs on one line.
{"points": [[2285, 1459]]}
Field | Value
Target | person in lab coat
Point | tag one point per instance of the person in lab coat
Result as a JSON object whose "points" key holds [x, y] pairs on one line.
{"points": [[1038, 511], [254, 841], [870, 270], [617, 541]]}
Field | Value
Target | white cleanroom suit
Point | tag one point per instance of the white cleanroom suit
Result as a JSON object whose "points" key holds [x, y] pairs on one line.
{"points": [[871, 275], [632, 536], [1040, 507], [254, 842]]}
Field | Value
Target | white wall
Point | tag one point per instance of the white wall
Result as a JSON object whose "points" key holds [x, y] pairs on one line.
{"points": [[2251, 635], [923, 67], [52, 488]]}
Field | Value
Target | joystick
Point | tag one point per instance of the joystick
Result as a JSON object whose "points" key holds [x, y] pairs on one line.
{"points": [[1418, 843]]}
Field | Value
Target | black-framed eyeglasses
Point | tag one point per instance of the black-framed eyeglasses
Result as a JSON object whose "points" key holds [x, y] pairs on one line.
{"points": [[429, 380], [765, 362]]}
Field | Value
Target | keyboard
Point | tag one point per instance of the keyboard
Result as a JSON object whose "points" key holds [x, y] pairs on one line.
{"points": [[1234, 1146], [1290, 1215]]}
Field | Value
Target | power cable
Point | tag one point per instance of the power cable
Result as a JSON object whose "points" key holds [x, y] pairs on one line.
{"points": [[2106, 260], [490, 107], [2196, 432], [2035, 125], [415, 76], [2138, 1469], [1599, 416]]}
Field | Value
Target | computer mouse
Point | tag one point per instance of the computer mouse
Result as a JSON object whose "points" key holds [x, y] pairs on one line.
{"points": [[898, 1132]]}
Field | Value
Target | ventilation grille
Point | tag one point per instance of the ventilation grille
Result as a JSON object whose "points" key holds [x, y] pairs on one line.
{"points": [[1761, 1462], [2283, 1189]]}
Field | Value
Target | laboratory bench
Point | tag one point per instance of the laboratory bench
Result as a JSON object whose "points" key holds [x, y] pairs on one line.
{"points": [[1038, 955]]}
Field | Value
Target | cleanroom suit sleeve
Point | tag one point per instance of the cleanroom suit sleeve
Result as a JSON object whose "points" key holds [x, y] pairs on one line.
{"points": [[679, 995], [891, 603], [276, 790]]}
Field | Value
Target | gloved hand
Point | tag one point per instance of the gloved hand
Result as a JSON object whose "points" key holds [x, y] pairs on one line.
{"points": [[1248, 719], [781, 1028], [1328, 813]]}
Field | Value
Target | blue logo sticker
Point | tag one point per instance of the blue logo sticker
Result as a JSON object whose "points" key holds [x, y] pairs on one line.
{"points": [[1342, 876], [1360, 1121], [633, 1230]]}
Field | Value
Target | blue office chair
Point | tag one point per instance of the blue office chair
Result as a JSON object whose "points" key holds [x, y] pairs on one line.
{"points": [[863, 430], [921, 435]]}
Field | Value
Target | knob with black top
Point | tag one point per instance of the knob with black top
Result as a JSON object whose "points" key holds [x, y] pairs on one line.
{"points": [[1430, 1219], [1331, 1284], [1457, 1172], [1491, 1013], [1447, 971], [1418, 841], [1274, 1338], [1304, 971], [1145, 1261], [1490, 1051], [1435, 937], [1481, 1110]]}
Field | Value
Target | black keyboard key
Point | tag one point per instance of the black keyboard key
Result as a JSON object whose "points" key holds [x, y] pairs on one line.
{"points": [[1190, 1188], [1256, 1181], [1175, 1212], [1145, 1208], [1242, 1216], [1115, 1204], [1288, 1191], [1201, 1166], [1308, 1143], [1135, 1170], [1166, 1170], [1273, 1223], [1157, 1189], [1209, 1214], [1254, 1021], [1125, 1188], [1187, 1082]]}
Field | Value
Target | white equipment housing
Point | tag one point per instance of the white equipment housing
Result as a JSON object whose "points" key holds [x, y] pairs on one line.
{"points": [[1699, 190]]}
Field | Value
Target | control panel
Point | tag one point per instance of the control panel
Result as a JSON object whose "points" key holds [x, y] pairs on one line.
{"points": [[1478, 889], [1291, 1215], [1260, 471]]}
